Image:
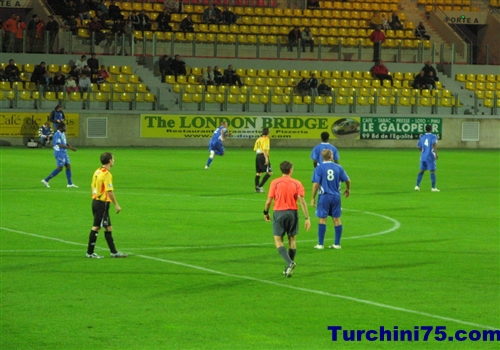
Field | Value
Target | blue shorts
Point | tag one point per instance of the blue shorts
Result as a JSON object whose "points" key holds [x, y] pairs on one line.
{"points": [[328, 205], [62, 159], [216, 146], [429, 164]]}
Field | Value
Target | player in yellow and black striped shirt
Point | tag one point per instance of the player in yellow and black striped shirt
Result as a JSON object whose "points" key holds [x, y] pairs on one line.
{"points": [[102, 195], [262, 163]]}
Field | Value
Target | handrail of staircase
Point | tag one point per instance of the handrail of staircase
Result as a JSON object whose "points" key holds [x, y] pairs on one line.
{"points": [[459, 31]]}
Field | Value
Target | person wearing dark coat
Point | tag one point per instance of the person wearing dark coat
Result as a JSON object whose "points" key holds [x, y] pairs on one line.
{"points": [[163, 21], [38, 73]]}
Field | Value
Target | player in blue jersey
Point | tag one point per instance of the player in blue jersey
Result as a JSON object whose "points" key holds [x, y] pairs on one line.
{"points": [[428, 157], [62, 158], [316, 152], [326, 180], [216, 145]]}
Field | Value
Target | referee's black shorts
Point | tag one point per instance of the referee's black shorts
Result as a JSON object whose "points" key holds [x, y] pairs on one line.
{"points": [[100, 210], [260, 166]]}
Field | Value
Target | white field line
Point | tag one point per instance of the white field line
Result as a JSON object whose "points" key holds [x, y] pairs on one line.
{"points": [[393, 228], [305, 290]]}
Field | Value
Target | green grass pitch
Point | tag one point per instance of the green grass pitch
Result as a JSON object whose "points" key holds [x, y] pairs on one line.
{"points": [[203, 272]]}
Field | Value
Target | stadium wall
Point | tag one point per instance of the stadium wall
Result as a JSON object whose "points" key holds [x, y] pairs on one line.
{"points": [[118, 129]]}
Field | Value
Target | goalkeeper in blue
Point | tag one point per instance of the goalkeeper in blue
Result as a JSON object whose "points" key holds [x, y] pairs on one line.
{"points": [[428, 157], [326, 180], [216, 145]]}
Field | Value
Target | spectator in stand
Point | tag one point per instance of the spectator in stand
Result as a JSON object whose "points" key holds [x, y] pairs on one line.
{"points": [[102, 75], [134, 18], [59, 82], [175, 6], [84, 84], [208, 77], [118, 29], [430, 71], [380, 71], [307, 39], [38, 73], [218, 76], [71, 85], [187, 24], [303, 88], [95, 28], [385, 23], [210, 15], [93, 64], [420, 81], [228, 17], [12, 72], [40, 36], [376, 20], [93, 4], [103, 8], [144, 21], [114, 11], [52, 29], [83, 10], [178, 66], [431, 80], [324, 89], [231, 77], [102, 17], [293, 38], [163, 21], [74, 72], [70, 10], [31, 33], [396, 22], [313, 84], [377, 37], [80, 63], [86, 70], [47, 82], [72, 24], [165, 67], [21, 27], [420, 31], [313, 4], [128, 33], [3, 76], [10, 29]]}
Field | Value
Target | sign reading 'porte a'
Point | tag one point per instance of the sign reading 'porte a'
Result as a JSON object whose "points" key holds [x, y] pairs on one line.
{"points": [[398, 128]]}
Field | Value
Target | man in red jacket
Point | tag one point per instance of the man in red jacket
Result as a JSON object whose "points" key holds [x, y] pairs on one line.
{"points": [[377, 37], [380, 71]]}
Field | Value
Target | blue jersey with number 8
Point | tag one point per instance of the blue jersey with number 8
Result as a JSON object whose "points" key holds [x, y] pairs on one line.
{"points": [[329, 176]]}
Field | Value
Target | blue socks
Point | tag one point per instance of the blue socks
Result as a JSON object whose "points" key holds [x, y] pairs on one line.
{"points": [[52, 174], [321, 234], [433, 180], [209, 161], [338, 234], [419, 178], [68, 176]]}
